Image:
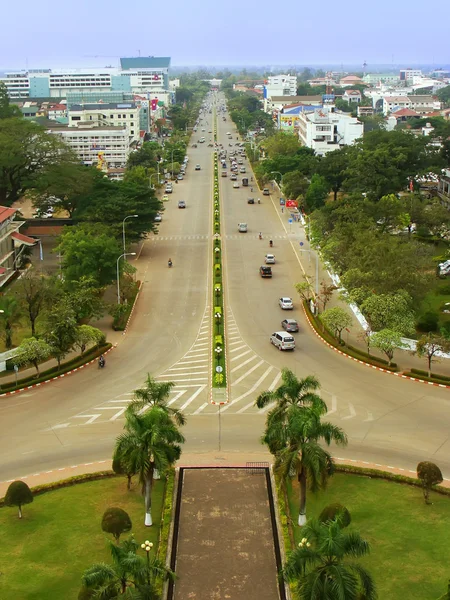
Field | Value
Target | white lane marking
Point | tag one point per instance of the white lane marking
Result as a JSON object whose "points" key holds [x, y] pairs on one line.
{"points": [[234, 343], [333, 405], [90, 420], [248, 392], [59, 426], [172, 375], [123, 400], [352, 412], [118, 414], [190, 362], [195, 353], [269, 406], [369, 417], [200, 408], [242, 377], [239, 348], [193, 370], [249, 360], [266, 408], [240, 355], [177, 395], [193, 397]]}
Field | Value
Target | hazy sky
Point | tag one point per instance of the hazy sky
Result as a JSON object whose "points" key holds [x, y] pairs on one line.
{"points": [[201, 32]]}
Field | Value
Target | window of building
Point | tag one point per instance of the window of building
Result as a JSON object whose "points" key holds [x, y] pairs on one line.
{"points": [[76, 118]]}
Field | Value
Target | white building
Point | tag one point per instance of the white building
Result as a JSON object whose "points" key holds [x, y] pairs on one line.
{"points": [[276, 103], [95, 145], [104, 115], [280, 85], [409, 74], [352, 96], [325, 130], [419, 103]]}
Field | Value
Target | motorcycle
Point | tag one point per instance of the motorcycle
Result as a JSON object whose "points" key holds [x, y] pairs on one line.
{"points": [[271, 244], [101, 362], [170, 263]]}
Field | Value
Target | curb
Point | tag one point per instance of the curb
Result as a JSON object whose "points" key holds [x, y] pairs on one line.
{"points": [[361, 362], [30, 387], [132, 309]]}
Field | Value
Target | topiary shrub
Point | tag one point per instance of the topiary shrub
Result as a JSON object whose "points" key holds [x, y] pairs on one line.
{"points": [[121, 469], [428, 321], [18, 494], [330, 512], [429, 475], [116, 521]]}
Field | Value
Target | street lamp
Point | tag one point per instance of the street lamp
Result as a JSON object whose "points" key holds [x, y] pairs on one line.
{"points": [[123, 226], [152, 175], [147, 546], [118, 278], [278, 173]]}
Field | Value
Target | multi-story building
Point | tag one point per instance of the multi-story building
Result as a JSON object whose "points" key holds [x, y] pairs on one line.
{"points": [[136, 75], [352, 96], [379, 78], [12, 242], [105, 147], [276, 103], [280, 85], [104, 115], [418, 103], [326, 129], [408, 75]]}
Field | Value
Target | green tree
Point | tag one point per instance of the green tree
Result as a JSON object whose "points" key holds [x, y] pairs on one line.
{"points": [[89, 251], [390, 311], [390, 214], [121, 468], [116, 521], [18, 494], [10, 315], [430, 345], [299, 449], [444, 95], [147, 156], [317, 193], [155, 393], [334, 511], [332, 168], [151, 441], [387, 340], [294, 184], [336, 319], [26, 152], [7, 110], [281, 143], [85, 298], [127, 576], [86, 335], [61, 329], [320, 568], [33, 351], [33, 292], [429, 475]]}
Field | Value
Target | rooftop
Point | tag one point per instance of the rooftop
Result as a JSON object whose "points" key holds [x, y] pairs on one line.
{"points": [[145, 62], [102, 106], [6, 213]]}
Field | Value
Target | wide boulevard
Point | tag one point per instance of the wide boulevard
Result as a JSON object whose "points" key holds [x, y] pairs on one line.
{"points": [[74, 420]]}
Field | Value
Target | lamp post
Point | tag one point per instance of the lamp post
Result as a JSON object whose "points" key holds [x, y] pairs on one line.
{"points": [[123, 228], [118, 278], [147, 546], [152, 175], [280, 174], [317, 268]]}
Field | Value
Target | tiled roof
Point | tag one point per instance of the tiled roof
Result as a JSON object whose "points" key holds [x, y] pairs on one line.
{"points": [[405, 112], [6, 213], [24, 239]]}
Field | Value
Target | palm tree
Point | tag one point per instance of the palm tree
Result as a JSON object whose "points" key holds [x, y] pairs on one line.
{"points": [[129, 575], [319, 568], [156, 394], [295, 443], [10, 315], [151, 441]]}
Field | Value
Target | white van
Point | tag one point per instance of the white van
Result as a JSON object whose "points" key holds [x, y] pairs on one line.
{"points": [[282, 340]]}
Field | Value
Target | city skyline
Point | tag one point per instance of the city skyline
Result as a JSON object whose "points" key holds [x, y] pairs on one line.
{"points": [[233, 35]]}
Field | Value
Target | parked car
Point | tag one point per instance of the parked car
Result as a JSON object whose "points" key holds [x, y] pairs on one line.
{"points": [[266, 192], [158, 218], [290, 325], [181, 204], [286, 303], [180, 176], [265, 271], [269, 259]]}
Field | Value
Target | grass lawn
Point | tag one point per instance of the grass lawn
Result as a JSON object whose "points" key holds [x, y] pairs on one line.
{"points": [[44, 554], [410, 550]]}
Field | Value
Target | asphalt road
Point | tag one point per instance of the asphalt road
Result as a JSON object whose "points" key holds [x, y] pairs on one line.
{"points": [[75, 420]]}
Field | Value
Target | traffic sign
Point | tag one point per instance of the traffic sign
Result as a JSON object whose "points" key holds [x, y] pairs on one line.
{"points": [[289, 220], [219, 369]]}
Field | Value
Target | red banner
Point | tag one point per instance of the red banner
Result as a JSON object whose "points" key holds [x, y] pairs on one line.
{"points": [[291, 204]]}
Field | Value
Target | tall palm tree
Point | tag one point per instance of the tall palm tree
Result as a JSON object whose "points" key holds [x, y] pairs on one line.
{"points": [[156, 393], [129, 575], [10, 316], [319, 567], [151, 441], [296, 445]]}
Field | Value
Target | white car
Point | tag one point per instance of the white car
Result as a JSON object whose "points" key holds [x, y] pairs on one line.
{"points": [[286, 303], [269, 259], [197, 167], [236, 184]]}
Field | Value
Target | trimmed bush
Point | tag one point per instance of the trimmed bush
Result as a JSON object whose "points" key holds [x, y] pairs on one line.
{"points": [[434, 379], [18, 494], [116, 521], [434, 375], [330, 512], [429, 475]]}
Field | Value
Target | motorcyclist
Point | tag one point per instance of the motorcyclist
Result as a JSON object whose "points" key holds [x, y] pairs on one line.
{"points": [[271, 243], [260, 235], [170, 262], [101, 361]]}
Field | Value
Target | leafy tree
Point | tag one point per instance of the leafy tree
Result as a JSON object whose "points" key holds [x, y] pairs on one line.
{"points": [[343, 105], [444, 95], [121, 468], [389, 213], [155, 393], [7, 110], [86, 335], [10, 315], [334, 511], [317, 193], [85, 298], [61, 329], [299, 449], [336, 319], [320, 568], [89, 251], [18, 494], [151, 441], [387, 340], [130, 575], [281, 143], [33, 351], [304, 289], [430, 345], [390, 311], [326, 293], [116, 521], [429, 475], [147, 156], [26, 152], [33, 291], [332, 168], [294, 184]]}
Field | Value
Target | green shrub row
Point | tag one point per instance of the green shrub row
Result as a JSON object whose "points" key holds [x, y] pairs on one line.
{"points": [[63, 483], [218, 317], [71, 364], [434, 379], [434, 375], [121, 316], [349, 350]]}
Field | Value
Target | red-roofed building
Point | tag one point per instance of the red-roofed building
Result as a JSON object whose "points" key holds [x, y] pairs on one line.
{"points": [[12, 243]]}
